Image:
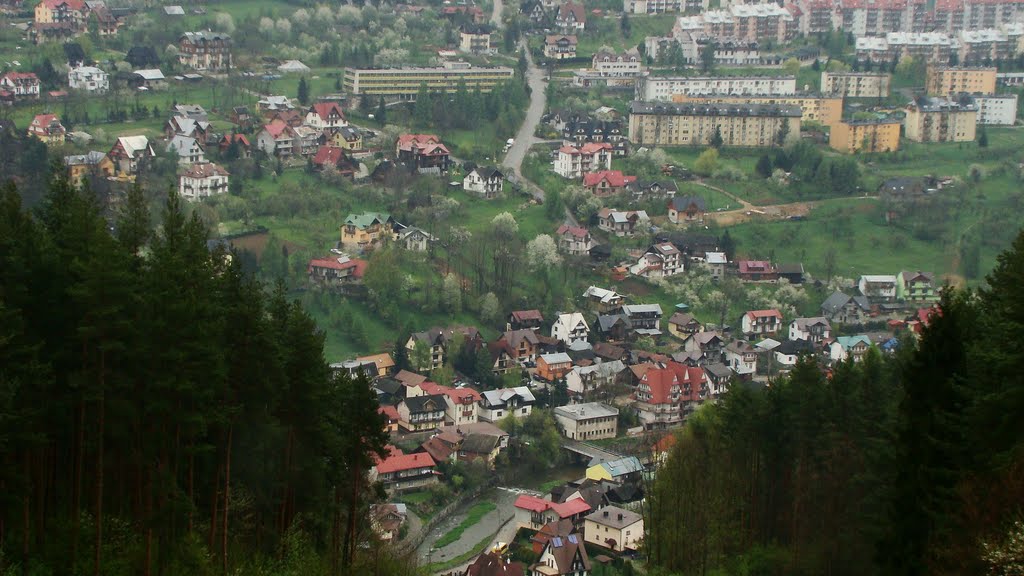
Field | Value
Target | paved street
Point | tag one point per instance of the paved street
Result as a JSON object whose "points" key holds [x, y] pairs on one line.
{"points": [[525, 139]]}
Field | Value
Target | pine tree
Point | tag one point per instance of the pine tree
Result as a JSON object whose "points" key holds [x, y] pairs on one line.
{"points": [[716, 140], [382, 112], [303, 91], [983, 138]]}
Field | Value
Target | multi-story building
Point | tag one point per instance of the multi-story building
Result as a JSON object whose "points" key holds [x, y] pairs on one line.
{"points": [[20, 85], [130, 153], [572, 162], [628, 63], [580, 129], [60, 12], [89, 79], [202, 180], [475, 39], [871, 17], [569, 328], [663, 6], [816, 329], [916, 287], [405, 83], [560, 46], [662, 124], [436, 341], [205, 50], [761, 322], [486, 181], [423, 152], [825, 110], [997, 109], [664, 88], [946, 80], [940, 120], [665, 396], [990, 44], [614, 528], [590, 421], [926, 46], [497, 404], [855, 84], [425, 412], [745, 22], [878, 287], [866, 136]]}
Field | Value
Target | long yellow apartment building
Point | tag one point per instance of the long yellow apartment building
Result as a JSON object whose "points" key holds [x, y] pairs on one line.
{"points": [[406, 82], [671, 124], [946, 80], [865, 136], [825, 110]]}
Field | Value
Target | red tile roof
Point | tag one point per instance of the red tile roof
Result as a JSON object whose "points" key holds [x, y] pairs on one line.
{"points": [[405, 462], [754, 266], [532, 503], [595, 147], [570, 508], [277, 128], [615, 178], [324, 109], [358, 266], [21, 76], [72, 4], [764, 314], [577, 231], [328, 155], [390, 412], [521, 315]]}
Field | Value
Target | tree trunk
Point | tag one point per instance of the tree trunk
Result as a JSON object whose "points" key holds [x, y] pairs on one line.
{"points": [[76, 490], [97, 554], [227, 498], [350, 533], [26, 513]]}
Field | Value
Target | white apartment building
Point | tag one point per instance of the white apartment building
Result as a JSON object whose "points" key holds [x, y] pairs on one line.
{"points": [[663, 6], [997, 109], [89, 79], [651, 88], [628, 63], [573, 162]]}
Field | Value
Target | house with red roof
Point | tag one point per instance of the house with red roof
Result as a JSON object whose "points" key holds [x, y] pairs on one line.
{"points": [[533, 512], [333, 156], [325, 115], [240, 142], [761, 322], [756, 271], [574, 240], [573, 162], [525, 319], [61, 12], [423, 153], [47, 127], [607, 182], [400, 471], [276, 139], [665, 396], [335, 272], [20, 85]]}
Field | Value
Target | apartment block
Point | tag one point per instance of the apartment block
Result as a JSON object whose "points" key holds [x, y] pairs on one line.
{"points": [[855, 84], [941, 120], [664, 88], [744, 22], [826, 110], [997, 109], [927, 46], [667, 124], [405, 82], [946, 80], [663, 6], [865, 136]]}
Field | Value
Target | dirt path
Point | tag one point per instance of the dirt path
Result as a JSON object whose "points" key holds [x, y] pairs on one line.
{"points": [[748, 212], [496, 11]]}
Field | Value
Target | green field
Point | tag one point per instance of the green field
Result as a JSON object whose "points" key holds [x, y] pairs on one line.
{"points": [[473, 516]]}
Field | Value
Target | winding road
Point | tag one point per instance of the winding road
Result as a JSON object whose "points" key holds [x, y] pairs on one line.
{"points": [[525, 137]]}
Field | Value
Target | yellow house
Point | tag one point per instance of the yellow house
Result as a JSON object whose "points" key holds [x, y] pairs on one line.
{"points": [[865, 136], [623, 469], [82, 166], [347, 138], [366, 229], [383, 362]]}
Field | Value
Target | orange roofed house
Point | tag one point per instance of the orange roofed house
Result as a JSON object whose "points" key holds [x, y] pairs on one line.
{"points": [[423, 153], [399, 471], [573, 162], [607, 182], [762, 322], [326, 115], [664, 396]]}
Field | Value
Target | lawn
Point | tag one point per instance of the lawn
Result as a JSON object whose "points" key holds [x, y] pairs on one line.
{"points": [[473, 516], [608, 32]]}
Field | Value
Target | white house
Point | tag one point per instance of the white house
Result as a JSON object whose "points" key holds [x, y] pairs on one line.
{"points": [[487, 181], [570, 328], [762, 322], [845, 347], [715, 262], [572, 162], [582, 380], [614, 528], [88, 79], [276, 139], [660, 260], [202, 180], [814, 329], [187, 148], [878, 287], [741, 357], [497, 404], [590, 421]]}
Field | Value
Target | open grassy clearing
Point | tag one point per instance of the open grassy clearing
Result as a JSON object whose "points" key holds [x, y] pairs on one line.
{"points": [[608, 32]]}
